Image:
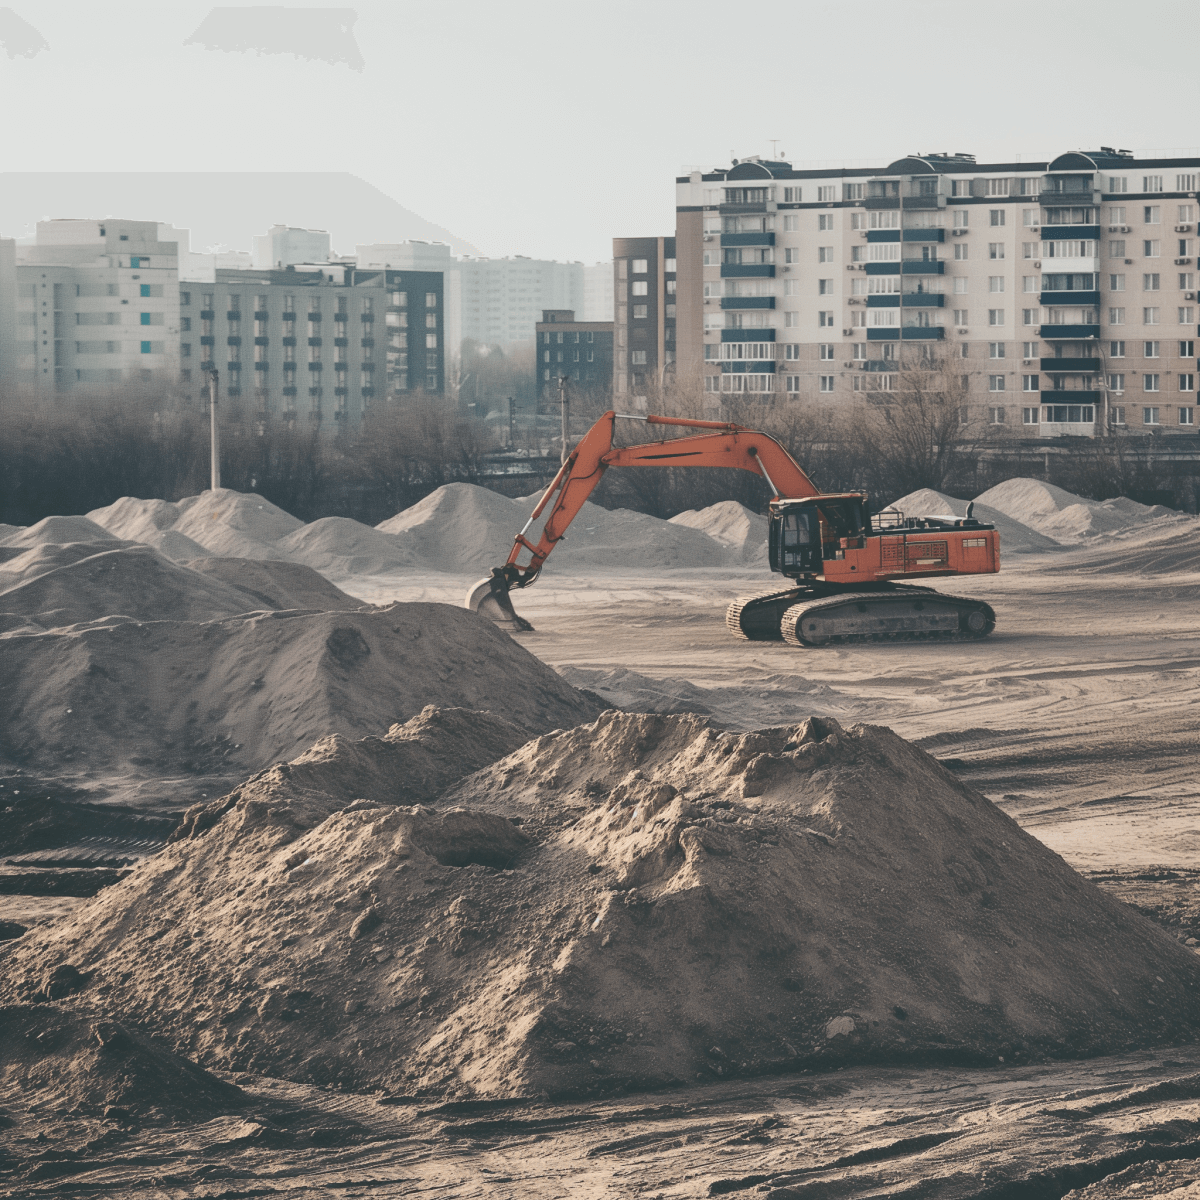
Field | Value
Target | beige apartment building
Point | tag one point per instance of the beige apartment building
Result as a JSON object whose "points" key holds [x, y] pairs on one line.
{"points": [[1062, 294]]}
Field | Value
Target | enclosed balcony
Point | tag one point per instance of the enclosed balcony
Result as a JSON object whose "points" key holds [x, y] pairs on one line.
{"points": [[1078, 299], [920, 266], [1068, 333], [747, 239], [754, 366], [1071, 366], [924, 235], [747, 270], [747, 301], [747, 335]]}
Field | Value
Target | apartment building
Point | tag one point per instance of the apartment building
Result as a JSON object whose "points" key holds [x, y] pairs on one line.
{"points": [[644, 323], [318, 342], [1062, 294], [97, 303], [579, 351], [285, 246], [502, 298]]}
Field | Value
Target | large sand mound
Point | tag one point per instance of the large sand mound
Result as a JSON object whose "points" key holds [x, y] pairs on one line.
{"points": [[640, 902], [1062, 515], [339, 547], [1015, 538], [236, 524], [465, 529], [59, 531], [238, 693], [1174, 553], [739, 529], [270, 583]]}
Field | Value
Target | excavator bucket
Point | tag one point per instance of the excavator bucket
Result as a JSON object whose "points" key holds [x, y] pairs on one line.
{"points": [[490, 598]]}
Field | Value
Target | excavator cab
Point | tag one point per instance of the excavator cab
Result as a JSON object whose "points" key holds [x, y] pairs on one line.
{"points": [[803, 533]]}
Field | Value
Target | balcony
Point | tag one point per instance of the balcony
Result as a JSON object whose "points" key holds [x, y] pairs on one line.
{"points": [[924, 300], [341, 341], [884, 268], [883, 202], [262, 341], [207, 314], [747, 270], [883, 335], [314, 316], [883, 235], [924, 235], [747, 239], [917, 266], [207, 340], [288, 316], [757, 206], [747, 301], [1079, 299], [233, 341], [1068, 333], [1064, 233], [1071, 366], [314, 341], [747, 335], [261, 314], [892, 301], [922, 333], [748, 366], [234, 314]]}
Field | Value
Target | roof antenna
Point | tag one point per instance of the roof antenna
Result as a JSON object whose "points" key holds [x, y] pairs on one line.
{"points": [[774, 142]]}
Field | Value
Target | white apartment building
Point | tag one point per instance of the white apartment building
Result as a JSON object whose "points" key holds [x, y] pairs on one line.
{"points": [[97, 302], [1063, 293], [503, 298], [598, 292], [284, 246]]}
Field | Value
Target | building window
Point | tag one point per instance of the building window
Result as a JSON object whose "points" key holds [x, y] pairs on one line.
{"points": [[637, 358], [996, 383], [826, 383], [431, 322], [961, 316], [995, 249], [1150, 349], [995, 316], [1116, 316], [1187, 348], [640, 311], [431, 341], [826, 194], [1116, 384], [639, 287], [1151, 248], [791, 351], [960, 251], [825, 254], [1116, 283], [995, 283], [995, 349], [1149, 316], [1150, 383], [791, 224], [791, 195], [791, 319], [1152, 213], [1187, 416], [145, 347], [1029, 349], [997, 187], [996, 416], [1116, 349], [1150, 282], [792, 383], [185, 299], [1187, 314], [1030, 416], [1187, 383], [825, 319], [1116, 414], [638, 266], [1150, 416], [824, 287], [1030, 383]]}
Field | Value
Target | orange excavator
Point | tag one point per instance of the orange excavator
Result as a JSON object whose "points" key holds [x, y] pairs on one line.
{"points": [[846, 565]]}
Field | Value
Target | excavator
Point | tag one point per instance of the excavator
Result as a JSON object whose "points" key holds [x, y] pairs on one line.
{"points": [[846, 565]]}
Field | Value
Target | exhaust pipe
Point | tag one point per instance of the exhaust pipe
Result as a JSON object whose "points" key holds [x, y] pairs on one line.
{"points": [[489, 598]]}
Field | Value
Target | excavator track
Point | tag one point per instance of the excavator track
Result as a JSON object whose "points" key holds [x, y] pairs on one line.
{"points": [[757, 618], [901, 614]]}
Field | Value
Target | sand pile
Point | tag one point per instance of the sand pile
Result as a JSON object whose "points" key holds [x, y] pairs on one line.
{"points": [[59, 531], [465, 529], [640, 902], [62, 1062], [1065, 517], [339, 547], [741, 530], [1176, 552], [238, 693], [1015, 538], [270, 583]]}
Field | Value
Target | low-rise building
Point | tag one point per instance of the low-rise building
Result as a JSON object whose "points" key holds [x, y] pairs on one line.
{"points": [[579, 351]]}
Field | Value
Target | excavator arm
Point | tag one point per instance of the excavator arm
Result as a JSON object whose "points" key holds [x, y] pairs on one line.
{"points": [[727, 445]]}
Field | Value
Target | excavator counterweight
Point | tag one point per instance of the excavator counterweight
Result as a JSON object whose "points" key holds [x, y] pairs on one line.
{"points": [[853, 574]]}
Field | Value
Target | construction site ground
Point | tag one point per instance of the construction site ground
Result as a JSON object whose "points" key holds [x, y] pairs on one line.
{"points": [[1077, 717]]}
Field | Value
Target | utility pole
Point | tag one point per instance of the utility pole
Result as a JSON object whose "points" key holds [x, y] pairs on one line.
{"points": [[214, 435], [566, 410], [512, 423]]}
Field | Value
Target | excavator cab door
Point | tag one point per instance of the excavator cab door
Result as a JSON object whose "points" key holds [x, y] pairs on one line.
{"points": [[794, 540]]}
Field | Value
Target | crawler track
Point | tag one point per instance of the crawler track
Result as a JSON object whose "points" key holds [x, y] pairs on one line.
{"points": [[902, 615]]}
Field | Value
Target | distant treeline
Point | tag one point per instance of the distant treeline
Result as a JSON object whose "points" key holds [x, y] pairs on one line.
{"points": [[78, 452]]}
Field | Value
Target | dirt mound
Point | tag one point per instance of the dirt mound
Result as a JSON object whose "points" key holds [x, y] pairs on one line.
{"points": [[136, 520], [57, 585], [236, 694], [1173, 553], [274, 584], [339, 547], [62, 1061], [235, 524], [465, 529], [1068, 518], [176, 546], [632, 904], [59, 531], [1015, 538], [741, 530]]}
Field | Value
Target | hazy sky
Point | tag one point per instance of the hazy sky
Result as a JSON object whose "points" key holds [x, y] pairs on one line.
{"points": [[548, 128]]}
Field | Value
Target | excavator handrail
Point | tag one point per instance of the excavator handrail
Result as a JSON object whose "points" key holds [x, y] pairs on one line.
{"points": [[733, 446]]}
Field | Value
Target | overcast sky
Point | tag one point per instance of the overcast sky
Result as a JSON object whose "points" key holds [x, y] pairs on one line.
{"points": [[548, 128]]}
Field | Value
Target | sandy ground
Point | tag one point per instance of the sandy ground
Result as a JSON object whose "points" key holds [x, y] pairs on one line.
{"points": [[1078, 715]]}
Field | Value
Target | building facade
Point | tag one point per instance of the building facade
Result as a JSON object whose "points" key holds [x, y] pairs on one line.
{"points": [[318, 343], [644, 294], [502, 298], [285, 246], [97, 303], [579, 351], [1061, 295]]}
